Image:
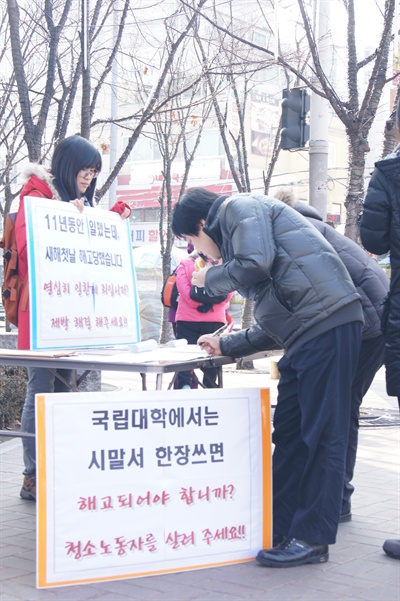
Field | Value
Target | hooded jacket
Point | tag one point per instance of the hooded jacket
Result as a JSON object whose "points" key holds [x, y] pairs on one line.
{"points": [[380, 233], [188, 308], [273, 255], [368, 277], [38, 182]]}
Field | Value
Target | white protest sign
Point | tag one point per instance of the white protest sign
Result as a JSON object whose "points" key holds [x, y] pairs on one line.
{"points": [[145, 483], [82, 284]]}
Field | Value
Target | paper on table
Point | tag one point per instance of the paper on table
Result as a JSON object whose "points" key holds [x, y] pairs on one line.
{"points": [[170, 355], [141, 347], [36, 354], [178, 342]]}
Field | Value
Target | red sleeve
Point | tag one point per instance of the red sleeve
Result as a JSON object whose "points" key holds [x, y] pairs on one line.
{"points": [[120, 206]]}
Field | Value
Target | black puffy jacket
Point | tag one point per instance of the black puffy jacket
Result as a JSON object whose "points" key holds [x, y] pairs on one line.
{"points": [[380, 233], [370, 280], [273, 255]]}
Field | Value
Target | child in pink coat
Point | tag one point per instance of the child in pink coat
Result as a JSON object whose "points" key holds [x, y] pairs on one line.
{"points": [[197, 314]]}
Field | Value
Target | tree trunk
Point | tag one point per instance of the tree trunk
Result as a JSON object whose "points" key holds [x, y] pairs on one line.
{"points": [[391, 134], [355, 186], [23, 94]]}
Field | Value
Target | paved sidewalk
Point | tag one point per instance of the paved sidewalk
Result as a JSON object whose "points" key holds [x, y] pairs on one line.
{"points": [[357, 570]]}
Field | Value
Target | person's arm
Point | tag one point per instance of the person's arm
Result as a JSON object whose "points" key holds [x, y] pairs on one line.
{"points": [[246, 342], [183, 283], [247, 225], [377, 215], [122, 208], [238, 344]]}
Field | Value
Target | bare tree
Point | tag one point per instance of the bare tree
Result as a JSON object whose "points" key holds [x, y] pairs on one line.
{"points": [[13, 148], [34, 125], [178, 131], [357, 114], [47, 60], [51, 32], [158, 95]]}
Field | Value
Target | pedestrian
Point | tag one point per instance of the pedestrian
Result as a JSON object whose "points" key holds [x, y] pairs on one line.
{"points": [[72, 178], [372, 284], [306, 304], [197, 313], [380, 234]]}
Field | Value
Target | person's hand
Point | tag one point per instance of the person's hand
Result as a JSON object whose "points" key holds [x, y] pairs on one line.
{"points": [[210, 344], [199, 277], [79, 203], [125, 214]]}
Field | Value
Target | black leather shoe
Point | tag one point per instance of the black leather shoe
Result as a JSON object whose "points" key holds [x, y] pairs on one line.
{"points": [[392, 548], [278, 539], [345, 514], [293, 552]]}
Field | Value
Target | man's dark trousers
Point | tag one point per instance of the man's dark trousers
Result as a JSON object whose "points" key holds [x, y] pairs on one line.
{"points": [[311, 428], [371, 358]]}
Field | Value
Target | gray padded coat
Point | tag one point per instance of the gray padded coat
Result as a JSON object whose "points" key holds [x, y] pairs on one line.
{"points": [[369, 278], [273, 255]]}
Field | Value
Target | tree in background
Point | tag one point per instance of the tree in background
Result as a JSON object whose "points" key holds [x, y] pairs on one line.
{"points": [[42, 51], [178, 130], [356, 109], [49, 75]]}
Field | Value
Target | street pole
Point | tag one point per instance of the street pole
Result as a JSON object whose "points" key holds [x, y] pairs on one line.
{"points": [[319, 147]]}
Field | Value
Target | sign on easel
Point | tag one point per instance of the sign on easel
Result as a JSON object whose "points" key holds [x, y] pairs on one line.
{"points": [[82, 284], [147, 483]]}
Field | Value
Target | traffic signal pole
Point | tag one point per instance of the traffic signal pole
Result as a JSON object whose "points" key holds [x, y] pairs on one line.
{"points": [[319, 112]]}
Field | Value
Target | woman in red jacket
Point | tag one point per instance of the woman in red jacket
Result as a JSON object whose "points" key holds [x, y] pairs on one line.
{"points": [[75, 166]]}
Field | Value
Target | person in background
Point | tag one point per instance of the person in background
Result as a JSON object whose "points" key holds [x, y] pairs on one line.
{"points": [[306, 304], [372, 284], [172, 319], [171, 311], [380, 234], [75, 166], [197, 313]]}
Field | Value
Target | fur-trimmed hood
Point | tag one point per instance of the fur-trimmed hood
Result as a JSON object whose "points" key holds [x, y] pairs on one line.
{"points": [[35, 177], [35, 170], [285, 194]]}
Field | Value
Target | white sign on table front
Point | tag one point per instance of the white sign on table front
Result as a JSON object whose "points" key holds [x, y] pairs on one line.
{"points": [[152, 482], [82, 284]]}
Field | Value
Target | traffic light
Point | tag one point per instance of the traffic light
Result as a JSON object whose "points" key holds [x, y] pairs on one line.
{"points": [[295, 131]]}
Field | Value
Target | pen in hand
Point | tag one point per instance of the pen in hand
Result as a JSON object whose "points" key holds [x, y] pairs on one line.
{"points": [[210, 342], [220, 330]]}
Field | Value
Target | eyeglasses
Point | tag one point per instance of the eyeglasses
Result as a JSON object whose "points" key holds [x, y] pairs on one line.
{"points": [[88, 172]]}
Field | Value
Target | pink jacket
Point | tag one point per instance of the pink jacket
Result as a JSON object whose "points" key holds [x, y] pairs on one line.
{"points": [[187, 308]]}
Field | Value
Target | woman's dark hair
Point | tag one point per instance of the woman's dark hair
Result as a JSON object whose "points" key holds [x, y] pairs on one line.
{"points": [[190, 210], [70, 156]]}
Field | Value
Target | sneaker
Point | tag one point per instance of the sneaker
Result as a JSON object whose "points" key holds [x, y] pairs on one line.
{"points": [[28, 490]]}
